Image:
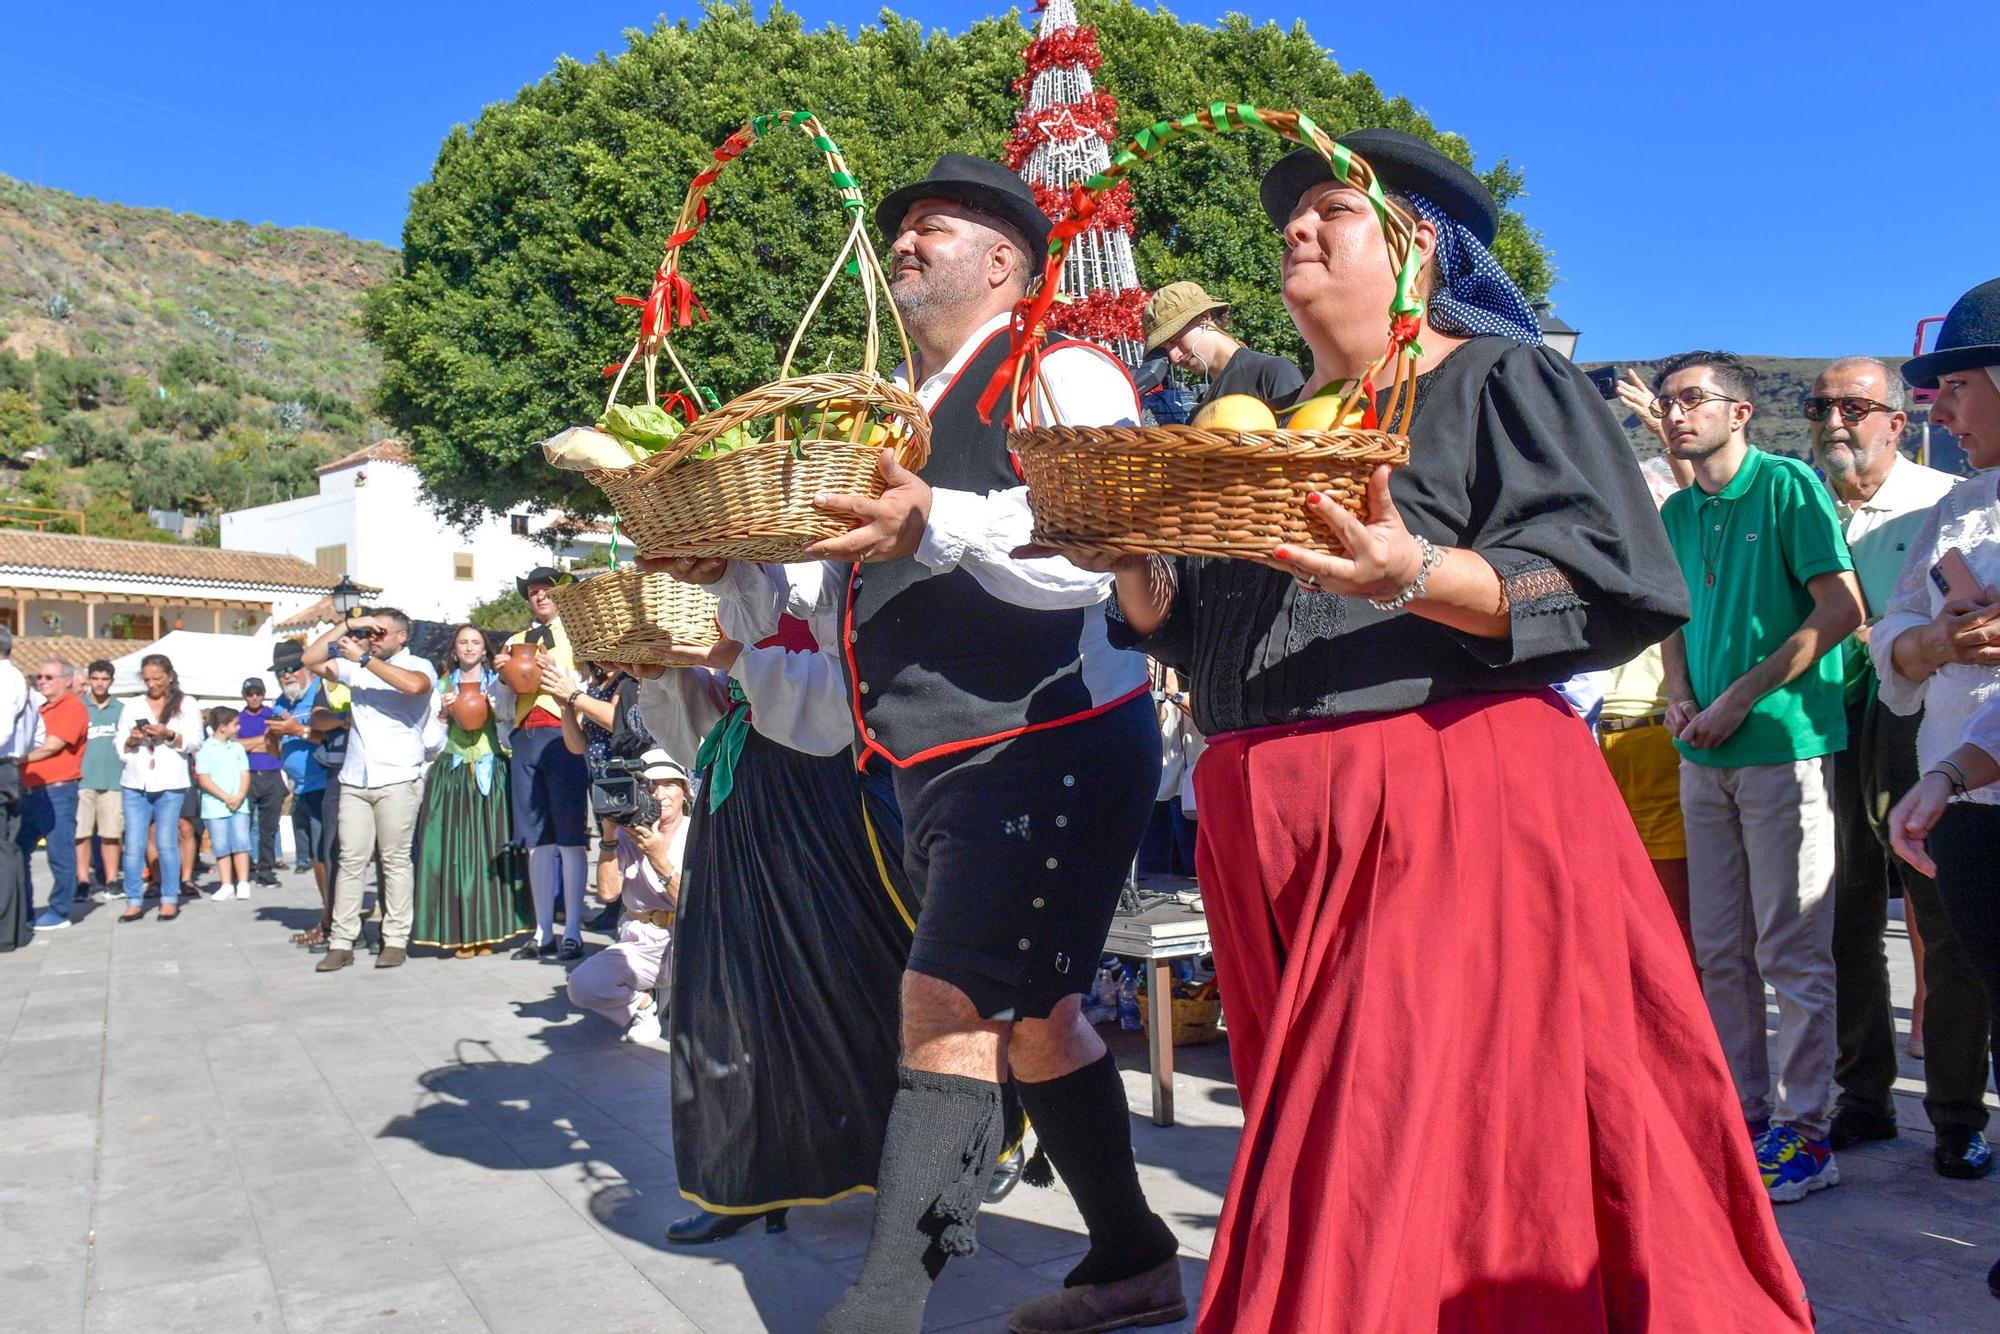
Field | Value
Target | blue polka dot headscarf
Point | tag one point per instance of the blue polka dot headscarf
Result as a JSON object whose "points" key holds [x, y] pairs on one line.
{"points": [[1470, 292]]}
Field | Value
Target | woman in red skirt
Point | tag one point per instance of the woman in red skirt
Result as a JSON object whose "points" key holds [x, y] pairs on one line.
{"points": [[1480, 1086]]}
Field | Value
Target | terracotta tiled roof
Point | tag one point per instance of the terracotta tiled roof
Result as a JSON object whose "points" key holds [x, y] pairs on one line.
{"points": [[306, 617], [386, 451], [60, 552], [31, 651]]}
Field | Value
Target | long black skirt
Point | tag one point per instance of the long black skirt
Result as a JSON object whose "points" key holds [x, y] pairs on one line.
{"points": [[794, 925]]}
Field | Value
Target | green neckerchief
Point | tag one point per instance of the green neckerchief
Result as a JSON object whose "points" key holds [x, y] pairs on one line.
{"points": [[723, 747]]}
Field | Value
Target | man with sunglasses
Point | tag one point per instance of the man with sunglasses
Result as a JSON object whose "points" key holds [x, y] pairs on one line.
{"points": [[49, 779], [1754, 691], [381, 780], [1856, 414]]}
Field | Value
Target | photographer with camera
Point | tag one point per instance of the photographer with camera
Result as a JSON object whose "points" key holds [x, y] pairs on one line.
{"points": [[646, 796], [381, 778]]}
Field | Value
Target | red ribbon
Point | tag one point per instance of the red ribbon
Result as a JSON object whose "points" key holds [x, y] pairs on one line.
{"points": [[1024, 336], [687, 406]]}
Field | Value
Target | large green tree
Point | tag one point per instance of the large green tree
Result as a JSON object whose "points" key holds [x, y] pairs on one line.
{"points": [[548, 207]]}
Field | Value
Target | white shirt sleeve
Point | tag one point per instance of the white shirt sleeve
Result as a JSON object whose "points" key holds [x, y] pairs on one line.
{"points": [[798, 700], [679, 707], [978, 533], [14, 697], [751, 597], [1983, 729], [1909, 609]]}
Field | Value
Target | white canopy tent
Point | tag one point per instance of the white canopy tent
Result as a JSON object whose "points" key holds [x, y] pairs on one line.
{"points": [[212, 668]]}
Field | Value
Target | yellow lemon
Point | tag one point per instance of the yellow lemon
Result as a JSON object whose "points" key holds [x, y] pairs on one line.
{"points": [[1236, 412], [1317, 414]]}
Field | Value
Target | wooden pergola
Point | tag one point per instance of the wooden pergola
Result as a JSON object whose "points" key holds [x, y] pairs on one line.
{"points": [[23, 599]]}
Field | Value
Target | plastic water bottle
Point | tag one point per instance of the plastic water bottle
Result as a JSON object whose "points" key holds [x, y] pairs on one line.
{"points": [[1128, 1002], [1101, 1006]]}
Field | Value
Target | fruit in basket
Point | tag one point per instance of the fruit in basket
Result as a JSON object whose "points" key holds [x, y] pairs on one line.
{"points": [[584, 449], [644, 424], [1317, 413], [1236, 412]]}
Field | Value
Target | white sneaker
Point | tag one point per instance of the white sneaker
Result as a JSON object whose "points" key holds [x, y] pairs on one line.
{"points": [[644, 1026], [223, 893], [243, 892]]}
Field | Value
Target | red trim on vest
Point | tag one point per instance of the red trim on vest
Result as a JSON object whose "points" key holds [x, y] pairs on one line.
{"points": [[870, 746]]}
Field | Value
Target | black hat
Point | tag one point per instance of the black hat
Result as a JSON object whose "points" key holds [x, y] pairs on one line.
{"points": [[287, 655], [254, 683], [1403, 163], [541, 574], [1969, 340], [975, 183]]}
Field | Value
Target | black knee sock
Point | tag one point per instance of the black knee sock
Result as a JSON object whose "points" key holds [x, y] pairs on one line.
{"points": [[1086, 1129], [937, 1156]]}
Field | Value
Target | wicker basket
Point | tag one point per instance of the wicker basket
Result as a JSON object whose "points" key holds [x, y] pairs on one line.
{"points": [[1199, 491], [630, 617], [755, 503]]}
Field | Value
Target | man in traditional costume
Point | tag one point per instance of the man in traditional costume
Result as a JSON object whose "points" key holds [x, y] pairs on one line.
{"points": [[1024, 754]]}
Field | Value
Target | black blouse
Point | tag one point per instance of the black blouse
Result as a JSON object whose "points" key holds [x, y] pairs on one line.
{"points": [[1513, 455]]}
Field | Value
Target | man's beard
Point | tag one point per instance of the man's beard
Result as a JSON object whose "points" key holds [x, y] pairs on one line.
{"points": [[292, 690], [933, 292]]}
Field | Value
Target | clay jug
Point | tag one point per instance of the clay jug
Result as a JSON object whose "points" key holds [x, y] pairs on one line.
{"points": [[520, 666], [469, 707]]}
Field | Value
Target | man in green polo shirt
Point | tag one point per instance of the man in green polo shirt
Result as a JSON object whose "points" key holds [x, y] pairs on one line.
{"points": [[1755, 705]]}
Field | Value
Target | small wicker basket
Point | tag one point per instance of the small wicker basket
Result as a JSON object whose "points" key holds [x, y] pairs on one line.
{"points": [[755, 502], [631, 617], [1200, 491], [1196, 1019]]}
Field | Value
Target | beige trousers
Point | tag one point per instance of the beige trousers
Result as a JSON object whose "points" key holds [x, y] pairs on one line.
{"points": [[1760, 901], [370, 816]]}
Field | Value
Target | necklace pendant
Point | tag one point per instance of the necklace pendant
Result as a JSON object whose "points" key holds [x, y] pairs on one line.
{"points": [[1711, 579]]}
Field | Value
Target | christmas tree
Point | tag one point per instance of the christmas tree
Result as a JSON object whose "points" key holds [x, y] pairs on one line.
{"points": [[1063, 135]]}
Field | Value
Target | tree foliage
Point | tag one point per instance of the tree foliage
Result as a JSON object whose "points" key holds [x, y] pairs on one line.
{"points": [[548, 207]]}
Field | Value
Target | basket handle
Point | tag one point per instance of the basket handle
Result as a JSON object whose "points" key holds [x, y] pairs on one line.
{"points": [[672, 304], [1020, 373]]}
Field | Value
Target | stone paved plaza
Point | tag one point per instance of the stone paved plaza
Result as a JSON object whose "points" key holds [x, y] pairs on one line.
{"points": [[198, 1133]]}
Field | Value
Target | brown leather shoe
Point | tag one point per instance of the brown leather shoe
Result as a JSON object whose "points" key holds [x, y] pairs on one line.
{"points": [[392, 956], [333, 961], [1151, 1298]]}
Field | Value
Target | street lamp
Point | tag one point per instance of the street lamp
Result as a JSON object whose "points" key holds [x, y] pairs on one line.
{"points": [[346, 597], [1558, 335]]}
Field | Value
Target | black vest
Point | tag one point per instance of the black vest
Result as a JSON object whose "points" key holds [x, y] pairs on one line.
{"points": [[936, 663]]}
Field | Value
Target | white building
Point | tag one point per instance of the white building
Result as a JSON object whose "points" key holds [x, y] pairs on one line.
{"points": [[370, 522]]}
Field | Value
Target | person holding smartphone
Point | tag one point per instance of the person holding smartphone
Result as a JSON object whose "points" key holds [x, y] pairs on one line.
{"points": [[156, 733], [1937, 648]]}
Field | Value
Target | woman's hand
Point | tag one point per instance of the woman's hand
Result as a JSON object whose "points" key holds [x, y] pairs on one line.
{"points": [[1913, 818], [1968, 632], [1383, 557], [557, 683]]}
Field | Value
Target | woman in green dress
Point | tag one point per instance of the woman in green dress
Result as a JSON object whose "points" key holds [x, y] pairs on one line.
{"points": [[470, 895]]}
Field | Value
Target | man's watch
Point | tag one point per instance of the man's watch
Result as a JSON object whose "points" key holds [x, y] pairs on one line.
{"points": [[365, 658]]}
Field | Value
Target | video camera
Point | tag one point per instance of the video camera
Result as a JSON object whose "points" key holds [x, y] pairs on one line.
{"points": [[619, 791]]}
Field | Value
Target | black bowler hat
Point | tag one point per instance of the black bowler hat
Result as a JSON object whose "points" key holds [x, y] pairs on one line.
{"points": [[975, 183], [541, 574], [1403, 163], [287, 655], [1969, 340]]}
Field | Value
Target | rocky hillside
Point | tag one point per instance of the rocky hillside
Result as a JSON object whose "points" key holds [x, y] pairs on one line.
{"points": [[158, 360]]}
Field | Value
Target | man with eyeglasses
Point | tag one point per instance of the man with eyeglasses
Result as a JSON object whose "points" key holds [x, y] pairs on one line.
{"points": [[1755, 706], [1856, 414], [381, 779], [49, 779]]}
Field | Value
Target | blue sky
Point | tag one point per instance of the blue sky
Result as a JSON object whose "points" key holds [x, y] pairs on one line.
{"points": [[1770, 176]]}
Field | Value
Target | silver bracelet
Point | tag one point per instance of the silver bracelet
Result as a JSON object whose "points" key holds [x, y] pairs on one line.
{"points": [[1432, 559]]}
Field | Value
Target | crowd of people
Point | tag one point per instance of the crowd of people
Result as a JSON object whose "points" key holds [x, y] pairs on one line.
{"points": [[1515, 793]]}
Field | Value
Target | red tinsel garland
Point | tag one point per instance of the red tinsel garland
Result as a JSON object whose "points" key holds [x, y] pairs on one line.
{"points": [[1062, 48], [1102, 316], [1114, 207]]}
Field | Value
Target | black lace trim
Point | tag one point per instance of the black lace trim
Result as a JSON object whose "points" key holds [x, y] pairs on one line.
{"points": [[1537, 588]]}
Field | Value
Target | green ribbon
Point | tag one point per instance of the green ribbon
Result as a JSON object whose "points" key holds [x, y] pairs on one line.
{"points": [[722, 749]]}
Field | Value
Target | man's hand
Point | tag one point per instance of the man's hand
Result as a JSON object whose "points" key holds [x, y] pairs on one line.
{"points": [[1716, 723], [351, 649], [886, 529], [687, 569], [1637, 397], [1679, 714]]}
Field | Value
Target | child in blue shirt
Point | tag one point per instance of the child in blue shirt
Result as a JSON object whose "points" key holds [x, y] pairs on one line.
{"points": [[222, 771]]}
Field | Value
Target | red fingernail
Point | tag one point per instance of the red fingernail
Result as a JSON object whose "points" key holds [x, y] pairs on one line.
{"points": [[1312, 497], [1282, 554]]}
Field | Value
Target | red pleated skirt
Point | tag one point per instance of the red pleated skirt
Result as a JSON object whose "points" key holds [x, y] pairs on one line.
{"points": [[1480, 1086]]}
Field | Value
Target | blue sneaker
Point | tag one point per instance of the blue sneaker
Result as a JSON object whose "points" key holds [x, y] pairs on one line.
{"points": [[50, 920], [1794, 1166]]}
